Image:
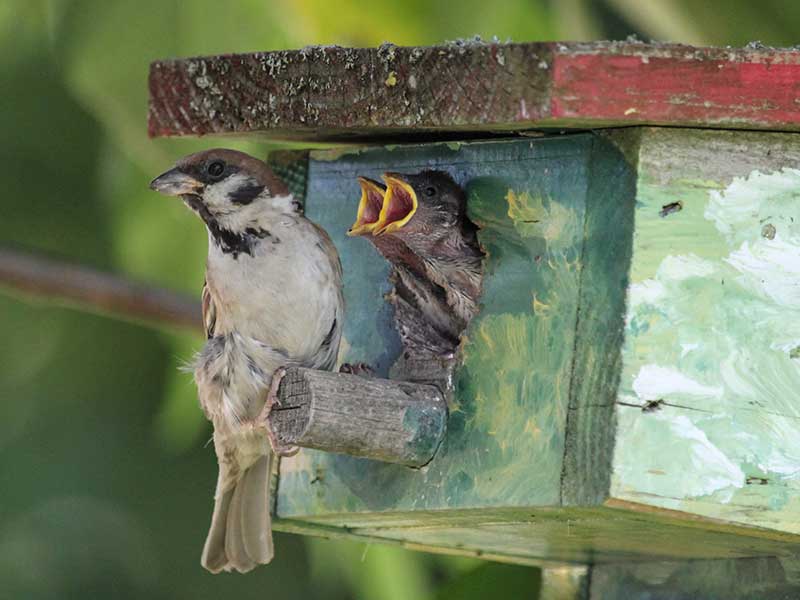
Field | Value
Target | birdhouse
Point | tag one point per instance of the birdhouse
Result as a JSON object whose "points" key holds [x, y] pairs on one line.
{"points": [[627, 391]]}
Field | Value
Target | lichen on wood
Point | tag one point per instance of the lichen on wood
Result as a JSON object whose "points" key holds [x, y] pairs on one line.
{"points": [[392, 92]]}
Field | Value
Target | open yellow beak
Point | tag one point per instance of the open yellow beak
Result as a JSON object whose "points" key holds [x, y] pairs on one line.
{"points": [[399, 205], [369, 207]]}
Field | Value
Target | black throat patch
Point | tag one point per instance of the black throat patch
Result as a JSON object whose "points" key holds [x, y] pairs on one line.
{"points": [[236, 243], [228, 241]]}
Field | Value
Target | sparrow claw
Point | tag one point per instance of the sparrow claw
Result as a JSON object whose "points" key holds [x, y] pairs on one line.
{"points": [[361, 369], [278, 448], [272, 398], [263, 419]]}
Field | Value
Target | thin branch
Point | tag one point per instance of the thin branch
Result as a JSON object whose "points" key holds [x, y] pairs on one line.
{"points": [[91, 290]]}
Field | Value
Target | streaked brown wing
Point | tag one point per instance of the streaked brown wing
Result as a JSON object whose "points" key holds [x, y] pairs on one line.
{"points": [[209, 312]]}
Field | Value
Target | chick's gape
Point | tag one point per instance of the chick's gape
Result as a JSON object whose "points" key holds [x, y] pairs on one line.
{"points": [[418, 222], [268, 269]]}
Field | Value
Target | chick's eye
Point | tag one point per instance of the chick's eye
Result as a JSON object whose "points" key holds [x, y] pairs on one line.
{"points": [[430, 191], [216, 168]]}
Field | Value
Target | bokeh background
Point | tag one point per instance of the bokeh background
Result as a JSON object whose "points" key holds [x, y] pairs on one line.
{"points": [[105, 476]]}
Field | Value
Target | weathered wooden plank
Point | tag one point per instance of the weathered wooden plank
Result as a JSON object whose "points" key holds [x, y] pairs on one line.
{"points": [[393, 421], [579, 536], [333, 93]]}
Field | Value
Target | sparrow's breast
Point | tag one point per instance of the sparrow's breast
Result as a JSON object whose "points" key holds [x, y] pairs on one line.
{"points": [[287, 295]]}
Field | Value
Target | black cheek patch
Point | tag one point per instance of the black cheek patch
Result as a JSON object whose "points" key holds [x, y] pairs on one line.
{"points": [[245, 194]]}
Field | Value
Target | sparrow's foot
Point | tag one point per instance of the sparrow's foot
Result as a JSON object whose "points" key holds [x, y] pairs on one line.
{"points": [[361, 369], [263, 419], [282, 450]]}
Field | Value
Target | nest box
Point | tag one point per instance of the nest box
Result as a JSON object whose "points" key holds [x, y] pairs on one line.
{"points": [[628, 391]]}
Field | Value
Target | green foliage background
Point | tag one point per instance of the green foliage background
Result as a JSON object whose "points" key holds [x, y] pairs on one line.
{"points": [[105, 476]]}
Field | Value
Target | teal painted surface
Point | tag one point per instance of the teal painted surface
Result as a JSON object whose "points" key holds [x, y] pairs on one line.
{"points": [[428, 425], [606, 258], [712, 331], [506, 432]]}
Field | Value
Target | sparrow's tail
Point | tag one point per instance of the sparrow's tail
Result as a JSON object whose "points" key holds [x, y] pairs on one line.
{"points": [[241, 531]]}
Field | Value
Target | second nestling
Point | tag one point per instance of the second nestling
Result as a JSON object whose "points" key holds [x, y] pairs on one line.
{"points": [[419, 224]]}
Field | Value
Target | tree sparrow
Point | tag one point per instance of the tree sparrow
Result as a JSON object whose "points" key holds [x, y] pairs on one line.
{"points": [[272, 297]]}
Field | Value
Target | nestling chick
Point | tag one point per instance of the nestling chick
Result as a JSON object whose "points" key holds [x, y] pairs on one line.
{"points": [[427, 212], [423, 319], [272, 298]]}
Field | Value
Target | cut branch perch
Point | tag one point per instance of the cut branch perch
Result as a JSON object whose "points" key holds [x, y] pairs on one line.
{"points": [[392, 421]]}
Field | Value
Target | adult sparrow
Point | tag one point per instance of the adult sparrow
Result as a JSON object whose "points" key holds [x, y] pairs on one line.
{"points": [[272, 297]]}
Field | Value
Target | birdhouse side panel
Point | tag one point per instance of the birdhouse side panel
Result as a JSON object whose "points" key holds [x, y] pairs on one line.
{"points": [[708, 418]]}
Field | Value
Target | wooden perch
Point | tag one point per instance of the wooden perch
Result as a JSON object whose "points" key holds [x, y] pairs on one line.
{"points": [[458, 89], [95, 291], [392, 421]]}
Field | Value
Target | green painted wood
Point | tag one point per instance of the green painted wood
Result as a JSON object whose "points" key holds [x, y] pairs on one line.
{"points": [[505, 440], [606, 256], [708, 417], [546, 535], [628, 390]]}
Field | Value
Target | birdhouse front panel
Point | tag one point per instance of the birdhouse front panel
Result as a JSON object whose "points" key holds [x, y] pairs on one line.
{"points": [[625, 391], [506, 433]]}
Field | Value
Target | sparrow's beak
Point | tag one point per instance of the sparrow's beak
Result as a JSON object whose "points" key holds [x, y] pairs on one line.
{"points": [[369, 207], [175, 183], [399, 204]]}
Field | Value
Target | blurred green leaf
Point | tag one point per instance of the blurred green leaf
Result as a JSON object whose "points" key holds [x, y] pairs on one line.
{"points": [[493, 580]]}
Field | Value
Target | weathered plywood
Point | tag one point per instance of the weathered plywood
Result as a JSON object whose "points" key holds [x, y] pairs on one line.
{"points": [[709, 418], [390, 92]]}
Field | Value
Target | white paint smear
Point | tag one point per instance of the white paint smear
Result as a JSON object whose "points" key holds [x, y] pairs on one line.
{"points": [[686, 266], [717, 470], [771, 269], [654, 382], [648, 291], [682, 461], [739, 206]]}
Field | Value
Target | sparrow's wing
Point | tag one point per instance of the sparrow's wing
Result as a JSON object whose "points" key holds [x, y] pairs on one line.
{"points": [[209, 312], [330, 250]]}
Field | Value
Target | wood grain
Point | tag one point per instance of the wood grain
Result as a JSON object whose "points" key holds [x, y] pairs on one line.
{"points": [[391, 421], [391, 92]]}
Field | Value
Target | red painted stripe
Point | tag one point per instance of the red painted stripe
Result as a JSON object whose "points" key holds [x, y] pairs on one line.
{"points": [[679, 90]]}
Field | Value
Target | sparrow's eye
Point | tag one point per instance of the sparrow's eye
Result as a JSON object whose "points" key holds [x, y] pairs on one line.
{"points": [[430, 191], [215, 169]]}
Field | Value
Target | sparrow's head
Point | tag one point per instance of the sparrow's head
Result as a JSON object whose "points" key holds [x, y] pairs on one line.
{"points": [[428, 204], [227, 189], [369, 207]]}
